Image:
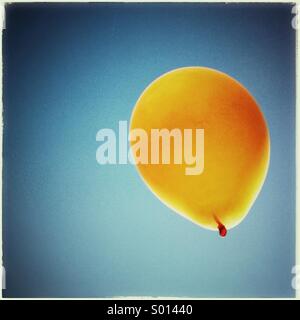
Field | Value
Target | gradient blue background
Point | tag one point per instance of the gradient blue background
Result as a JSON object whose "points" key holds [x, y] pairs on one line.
{"points": [[74, 228]]}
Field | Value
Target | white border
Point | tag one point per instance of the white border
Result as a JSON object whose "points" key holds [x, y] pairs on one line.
{"points": [[2, 25]]}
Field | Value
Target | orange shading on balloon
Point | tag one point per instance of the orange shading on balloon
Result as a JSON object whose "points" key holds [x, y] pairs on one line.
{"points": [[236, 145]]}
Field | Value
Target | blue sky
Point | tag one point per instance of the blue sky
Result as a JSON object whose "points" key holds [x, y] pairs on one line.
{"points": [[74, 228]]}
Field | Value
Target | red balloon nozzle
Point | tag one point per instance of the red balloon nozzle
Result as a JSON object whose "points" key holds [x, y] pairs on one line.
{"points": [[222, 230]]}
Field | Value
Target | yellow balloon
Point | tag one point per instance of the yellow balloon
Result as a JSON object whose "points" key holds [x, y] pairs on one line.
{"points": [[236, 145]]}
